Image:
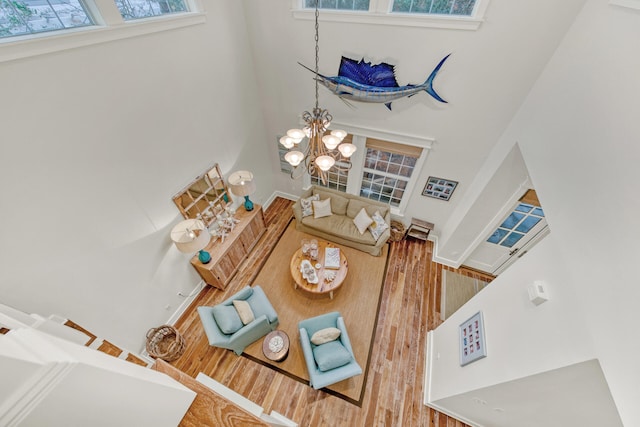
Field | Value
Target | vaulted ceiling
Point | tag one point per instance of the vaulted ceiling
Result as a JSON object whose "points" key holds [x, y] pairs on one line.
{"points": [[485, 80]]}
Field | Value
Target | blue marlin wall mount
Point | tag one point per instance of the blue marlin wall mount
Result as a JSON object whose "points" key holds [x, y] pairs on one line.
{"points": [[360, 81]]}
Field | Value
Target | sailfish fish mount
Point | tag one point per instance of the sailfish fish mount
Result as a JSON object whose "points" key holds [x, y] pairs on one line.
{"points": [[363, 82]]}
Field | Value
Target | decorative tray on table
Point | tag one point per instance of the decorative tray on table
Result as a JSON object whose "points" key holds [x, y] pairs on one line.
{"points": [[332, 258]]}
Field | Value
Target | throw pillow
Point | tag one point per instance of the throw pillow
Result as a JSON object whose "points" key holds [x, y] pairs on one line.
{"points": [[362, 221], [378, 225], [338, 203], [322, 208], [227, 319], [244, 311], [307, 206], [331, 355], [325, 335]]}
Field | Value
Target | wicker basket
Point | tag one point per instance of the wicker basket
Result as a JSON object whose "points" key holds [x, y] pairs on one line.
{"points": [[165, 342], [397, 231]]}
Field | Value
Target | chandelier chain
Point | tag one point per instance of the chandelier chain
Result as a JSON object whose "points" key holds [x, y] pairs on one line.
{"points": [[317, 39], [317, 158]]}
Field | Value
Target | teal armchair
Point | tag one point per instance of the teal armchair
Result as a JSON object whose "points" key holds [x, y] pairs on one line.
{"points": [[223, 327], [336, 352]]}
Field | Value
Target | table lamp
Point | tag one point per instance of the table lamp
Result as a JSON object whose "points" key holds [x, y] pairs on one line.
{"points": [[192, 236], [242, 184]]}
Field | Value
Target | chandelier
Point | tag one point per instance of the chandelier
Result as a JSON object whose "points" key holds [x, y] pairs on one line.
{"points": [[320, 156]]}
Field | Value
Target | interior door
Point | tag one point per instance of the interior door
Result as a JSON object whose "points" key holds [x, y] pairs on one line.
{"points": [[520, 230]]}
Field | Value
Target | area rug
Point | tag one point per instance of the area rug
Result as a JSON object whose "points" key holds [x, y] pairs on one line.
{"points": [[456, 291], [358, 300]]}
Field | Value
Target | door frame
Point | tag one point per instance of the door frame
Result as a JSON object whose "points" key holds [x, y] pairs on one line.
{"points": [[498, 219]]}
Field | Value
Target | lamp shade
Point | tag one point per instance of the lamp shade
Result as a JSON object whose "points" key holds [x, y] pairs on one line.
{"points": [[325, 162], [331, 141], [242, 183], [339, 133], [190, 236], [294, 157], [287, 141], [347, 149], [296, 134]]}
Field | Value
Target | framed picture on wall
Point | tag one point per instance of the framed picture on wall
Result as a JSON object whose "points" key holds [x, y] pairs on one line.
{"points": [[439, 188], [472, 340]]}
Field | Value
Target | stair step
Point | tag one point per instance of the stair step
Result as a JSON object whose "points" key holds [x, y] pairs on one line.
{"points": [[109, 348], [75, 326]]}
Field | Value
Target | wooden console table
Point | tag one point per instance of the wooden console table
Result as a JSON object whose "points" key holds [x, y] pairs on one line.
{"points": [[227, 256]]}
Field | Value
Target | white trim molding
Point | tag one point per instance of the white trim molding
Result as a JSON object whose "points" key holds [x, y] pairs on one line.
{"points": [[39, 44], [418, 141], [379, 13]]}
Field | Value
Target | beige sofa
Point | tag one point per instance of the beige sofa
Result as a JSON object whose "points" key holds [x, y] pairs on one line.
{"points": [[339, 226]]}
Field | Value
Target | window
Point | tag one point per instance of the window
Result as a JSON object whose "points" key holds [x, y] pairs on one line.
{"points": [[448, 14], [380, 169], [336, 178], [387, 170], [338, 4], [435, 7], [135, 9], [22, 17], [35, 27], [518, 223]]}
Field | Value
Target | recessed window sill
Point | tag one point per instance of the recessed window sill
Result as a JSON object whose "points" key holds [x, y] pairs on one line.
{"points": [[395, 19], [39, 44]]}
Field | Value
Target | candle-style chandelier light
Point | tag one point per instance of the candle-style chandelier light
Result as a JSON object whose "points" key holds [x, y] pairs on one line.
{"points": [[320, 155]]}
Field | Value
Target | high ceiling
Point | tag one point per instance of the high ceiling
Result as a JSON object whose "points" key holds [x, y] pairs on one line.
{"points": [[485, 80]]}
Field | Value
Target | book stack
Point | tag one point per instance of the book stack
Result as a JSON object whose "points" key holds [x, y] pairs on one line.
{"points": [[332, 258]]}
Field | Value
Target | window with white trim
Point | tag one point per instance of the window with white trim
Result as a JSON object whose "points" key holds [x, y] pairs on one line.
{"points": [[336, 177], [338, 4], [387, 170], [33, 17], [435, 7], [136, 9], [22, 17], [448, 14], [384, 172]]}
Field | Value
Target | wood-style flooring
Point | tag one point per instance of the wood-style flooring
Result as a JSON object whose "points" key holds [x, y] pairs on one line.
{"points": [[394, 390]]}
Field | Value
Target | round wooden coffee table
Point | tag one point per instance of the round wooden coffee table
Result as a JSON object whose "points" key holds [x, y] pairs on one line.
{"points": [[324, 285], [276, 346]]}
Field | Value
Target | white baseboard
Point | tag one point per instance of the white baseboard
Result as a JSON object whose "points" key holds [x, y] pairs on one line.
{"points": [[179, 312], [441, 260], [429, 352], [185, 304]]}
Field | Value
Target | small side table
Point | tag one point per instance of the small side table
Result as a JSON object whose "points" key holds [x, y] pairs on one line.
{"points": [[276, 346], [419, 229]]}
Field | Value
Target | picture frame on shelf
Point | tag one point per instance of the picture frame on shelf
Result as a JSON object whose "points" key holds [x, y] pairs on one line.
{"points": [[439, 188], [472, 339]]}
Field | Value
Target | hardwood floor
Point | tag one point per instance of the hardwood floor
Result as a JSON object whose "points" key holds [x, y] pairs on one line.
{"points": [[394, 391]]}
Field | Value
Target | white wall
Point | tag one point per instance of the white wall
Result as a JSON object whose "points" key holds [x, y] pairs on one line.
{"points": [[485, 79], [522, 339], [496, 192], [95, 142], [55, 382], [578, 131], [574, 395]]}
